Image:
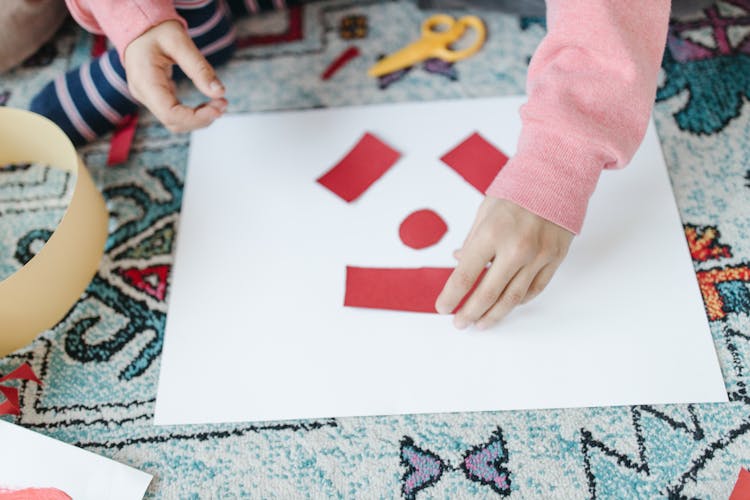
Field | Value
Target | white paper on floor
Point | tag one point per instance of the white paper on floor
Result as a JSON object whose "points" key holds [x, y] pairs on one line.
{"points": [[256, 328], [31, 460]]}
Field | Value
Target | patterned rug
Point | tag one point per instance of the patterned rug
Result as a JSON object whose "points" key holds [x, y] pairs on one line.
{"points": [[100, 365]]}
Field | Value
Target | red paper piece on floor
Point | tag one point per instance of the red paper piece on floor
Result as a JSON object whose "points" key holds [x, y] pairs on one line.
{"points": [[34, 494], [741, 489], [122, 139], [98, 45], [422, 229], [339, 62], [397, 289], [360, 168], [10, 406], [476, 160]]}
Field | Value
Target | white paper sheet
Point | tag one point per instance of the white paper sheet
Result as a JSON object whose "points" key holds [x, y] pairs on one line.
{"points": [[256, 323], [31, 460]]}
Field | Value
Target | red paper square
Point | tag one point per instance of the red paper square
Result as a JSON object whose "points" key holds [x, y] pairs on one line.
{"points": [[476, 160], [360, 168]]}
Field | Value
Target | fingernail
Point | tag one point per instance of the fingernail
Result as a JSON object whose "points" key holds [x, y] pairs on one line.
{"points": [[460, 323], [215, 86]]}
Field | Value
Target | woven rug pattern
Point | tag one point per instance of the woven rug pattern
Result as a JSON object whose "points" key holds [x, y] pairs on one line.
{"points": [[100, 365]]}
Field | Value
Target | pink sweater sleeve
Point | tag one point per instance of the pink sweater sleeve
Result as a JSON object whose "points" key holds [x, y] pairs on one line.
{"points": [[122, 20], [591, 87]]}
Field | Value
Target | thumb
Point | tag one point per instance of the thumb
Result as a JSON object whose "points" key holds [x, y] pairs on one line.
{"points": [[187, 56]]}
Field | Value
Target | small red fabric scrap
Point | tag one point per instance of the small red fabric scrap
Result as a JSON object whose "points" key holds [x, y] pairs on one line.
{"points": [[122, 139], [397, 289], [476, 160], [11, 404], [339, 62], [741, 489], [360, 168], [422, 229]]}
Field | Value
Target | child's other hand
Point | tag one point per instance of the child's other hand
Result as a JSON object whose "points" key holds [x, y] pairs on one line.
{"points": [[148, 64], [524, 250]]}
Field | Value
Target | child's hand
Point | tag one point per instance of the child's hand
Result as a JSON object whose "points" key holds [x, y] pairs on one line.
{"points": [[524, 251], [148, 64]]}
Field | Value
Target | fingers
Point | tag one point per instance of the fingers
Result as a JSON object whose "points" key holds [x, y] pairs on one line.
{"points": [[156, 92], [487, 292], [512, 296], [476, 254], [187, 56], [541, 281], [149, 60]]}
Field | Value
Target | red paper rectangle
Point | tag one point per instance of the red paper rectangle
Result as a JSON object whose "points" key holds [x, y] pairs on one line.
{"points": [[122, 139], [476, 160], [396, 289], [360, 168]]}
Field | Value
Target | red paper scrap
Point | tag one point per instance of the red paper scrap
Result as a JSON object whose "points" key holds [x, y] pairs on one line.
{"points": [[360, 168], [476, 160], [741, 489], [422, 229], [98, 45], [339, 62], [34, 494], [122, 139], [11, 404], [397, 289]]}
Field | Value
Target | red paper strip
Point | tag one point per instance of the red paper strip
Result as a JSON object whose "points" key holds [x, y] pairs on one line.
{"points": [[339, 62], [422, 229], [741, 489], [360, 168], [34, 494], [122, 139], [99, 45], [403, 289], [476, 160]]}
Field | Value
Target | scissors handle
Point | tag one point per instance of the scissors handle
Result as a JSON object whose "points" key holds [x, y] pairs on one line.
{"points": [[434, 43], [456, 29]]}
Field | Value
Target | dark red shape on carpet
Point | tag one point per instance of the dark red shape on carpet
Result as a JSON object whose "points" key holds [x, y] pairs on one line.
{"points": [[11, 404], [292, 34], [360, 168], [422, 229], [476, 160], [140, 279]]}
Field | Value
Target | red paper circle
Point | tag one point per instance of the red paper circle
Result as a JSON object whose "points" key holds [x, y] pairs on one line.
{"points": [[422, 229]]}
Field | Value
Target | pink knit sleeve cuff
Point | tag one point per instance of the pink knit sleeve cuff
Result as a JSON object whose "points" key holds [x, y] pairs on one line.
{"points": [[124, 21], [552, 175]]}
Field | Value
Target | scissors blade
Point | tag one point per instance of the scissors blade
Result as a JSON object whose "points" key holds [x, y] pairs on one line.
{"points": [[408, 56]]}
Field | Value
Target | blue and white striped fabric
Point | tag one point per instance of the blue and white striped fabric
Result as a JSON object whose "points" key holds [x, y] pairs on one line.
{"points": [[92, 100]]}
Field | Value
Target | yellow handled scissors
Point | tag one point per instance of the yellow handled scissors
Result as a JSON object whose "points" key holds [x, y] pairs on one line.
{"points": [[434, 44]]}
